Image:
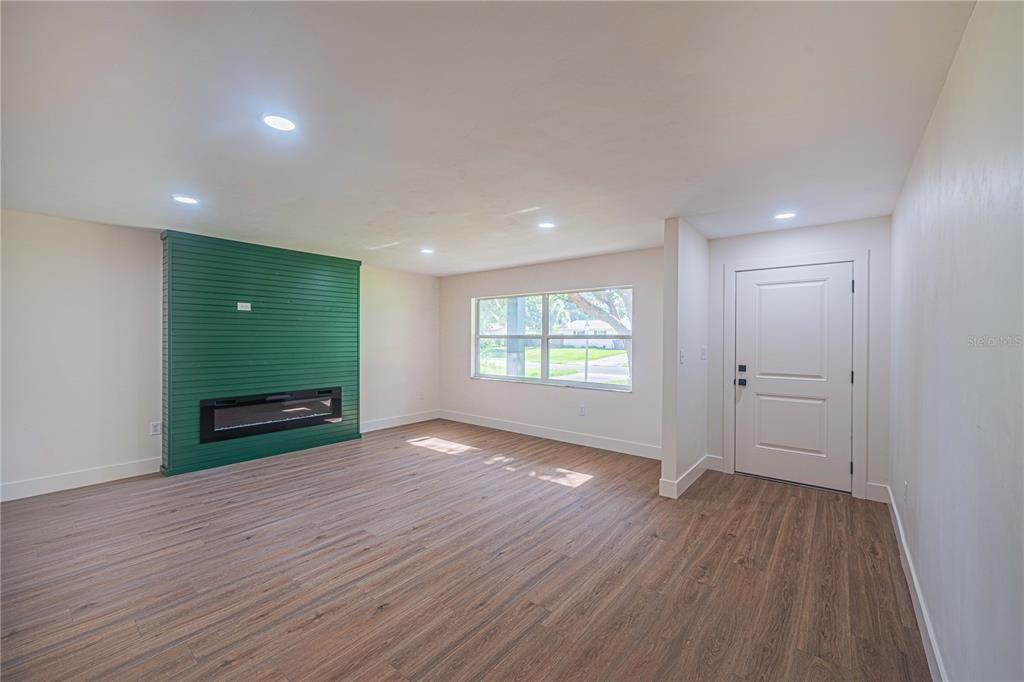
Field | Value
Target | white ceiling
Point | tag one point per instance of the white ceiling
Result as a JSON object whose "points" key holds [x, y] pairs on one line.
{"points": [[461, 125]]}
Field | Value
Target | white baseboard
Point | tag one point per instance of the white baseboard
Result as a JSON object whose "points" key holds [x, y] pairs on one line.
{"points": [[367, 425], [28, 487], [602, 442], [877, 492], [714, 462], [924, 622], [674, 489]]}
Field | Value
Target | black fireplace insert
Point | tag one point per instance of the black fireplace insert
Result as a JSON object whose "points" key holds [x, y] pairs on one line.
{"points": [[224, 418]]}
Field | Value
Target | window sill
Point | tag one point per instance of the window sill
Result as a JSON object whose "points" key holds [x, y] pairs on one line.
{"points": [[555, 384]]}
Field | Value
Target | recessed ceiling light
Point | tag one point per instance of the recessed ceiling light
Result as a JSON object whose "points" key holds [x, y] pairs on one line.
{"points": [[785, 216], [278, 122], [545, 225], [185, 199], [426, 251]]}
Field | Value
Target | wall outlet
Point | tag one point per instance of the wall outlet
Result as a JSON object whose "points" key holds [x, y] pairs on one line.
{"points": [[583, 410], [156, 428], [703, 352], [682, 357], [421, 395]]}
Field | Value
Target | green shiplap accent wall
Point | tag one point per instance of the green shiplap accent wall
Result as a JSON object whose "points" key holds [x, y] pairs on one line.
{"points": [[302, 332]]}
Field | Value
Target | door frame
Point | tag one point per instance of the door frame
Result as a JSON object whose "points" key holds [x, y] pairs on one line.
{"points": [[859, 258]]}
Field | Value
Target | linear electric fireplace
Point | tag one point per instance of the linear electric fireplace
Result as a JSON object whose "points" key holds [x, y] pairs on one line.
{"points": [[224, 418]]}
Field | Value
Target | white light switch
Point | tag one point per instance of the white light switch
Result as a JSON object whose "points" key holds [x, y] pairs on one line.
{"points": [[245, 306]]}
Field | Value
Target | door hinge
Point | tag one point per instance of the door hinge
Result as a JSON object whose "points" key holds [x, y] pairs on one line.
{"points": [[851, 468], [852, 285], [851, 376]]}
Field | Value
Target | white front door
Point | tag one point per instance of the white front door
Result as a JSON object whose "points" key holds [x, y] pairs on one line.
{"points": [[794, 351]]}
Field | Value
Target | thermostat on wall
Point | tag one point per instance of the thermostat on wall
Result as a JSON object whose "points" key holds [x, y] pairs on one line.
{"points": [[245, 306]]}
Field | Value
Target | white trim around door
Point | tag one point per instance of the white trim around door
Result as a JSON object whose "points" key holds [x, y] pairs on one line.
{"points": [[859, 258]]}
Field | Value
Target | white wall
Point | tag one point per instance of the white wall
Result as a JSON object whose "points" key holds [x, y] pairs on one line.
{"points": [[81, 306], [684, 421], [398, 343], [956, 405], [871, 234], [625, 422], [81, 352]]}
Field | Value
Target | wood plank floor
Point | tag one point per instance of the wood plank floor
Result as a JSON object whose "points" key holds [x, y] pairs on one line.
{"points": [[445, 551]]}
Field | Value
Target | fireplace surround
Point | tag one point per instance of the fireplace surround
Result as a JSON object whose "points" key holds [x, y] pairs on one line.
{"points": [[259, 326]]}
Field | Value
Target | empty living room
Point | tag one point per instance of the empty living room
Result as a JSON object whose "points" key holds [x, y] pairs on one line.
{"points": [[598, 341]]}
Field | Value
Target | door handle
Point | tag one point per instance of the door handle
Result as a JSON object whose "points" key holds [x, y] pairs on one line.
{"points": [[741, 382]]}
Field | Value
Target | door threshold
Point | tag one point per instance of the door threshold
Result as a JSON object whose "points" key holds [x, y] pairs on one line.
{"points": [[800, 485]]}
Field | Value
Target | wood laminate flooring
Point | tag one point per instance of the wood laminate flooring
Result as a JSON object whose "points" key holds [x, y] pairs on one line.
{"points": [[445, 551]]}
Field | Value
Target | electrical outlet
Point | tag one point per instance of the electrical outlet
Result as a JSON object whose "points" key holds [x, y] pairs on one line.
{"points": [[421, 395], [703, 352], [682, 357], [156, 428], [583, 410]]}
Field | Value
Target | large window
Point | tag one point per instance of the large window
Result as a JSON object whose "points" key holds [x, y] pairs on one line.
{"points": [[573, 338]]}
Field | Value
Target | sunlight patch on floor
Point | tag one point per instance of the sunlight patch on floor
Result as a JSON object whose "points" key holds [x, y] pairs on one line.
{"points": [[566, 477], [441, 445], [559, 476]]}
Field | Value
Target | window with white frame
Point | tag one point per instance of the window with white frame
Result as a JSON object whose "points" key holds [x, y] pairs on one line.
{"points": [[571, 338]]}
